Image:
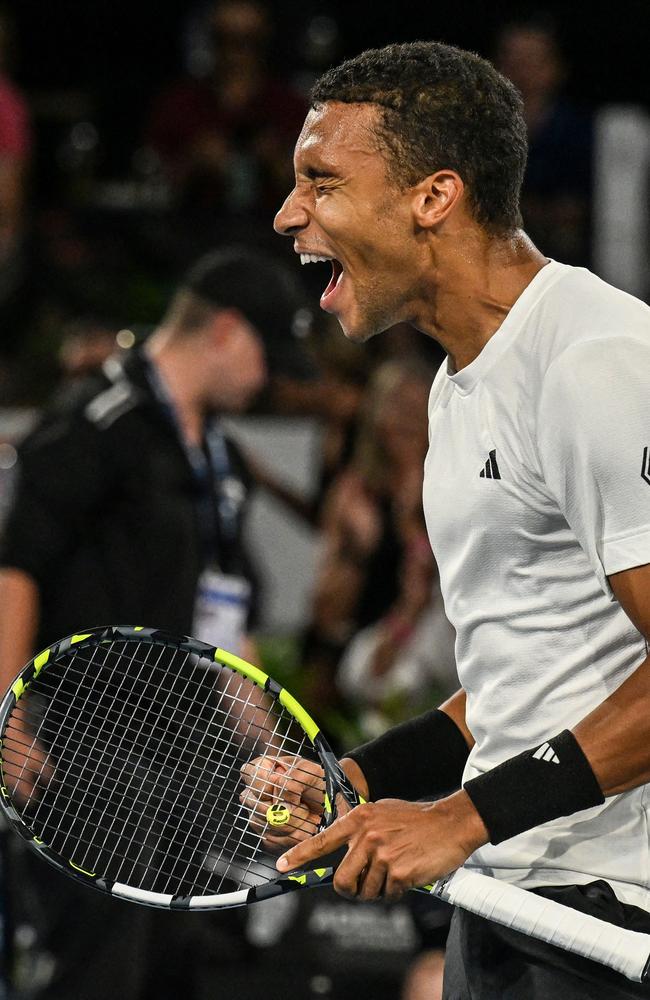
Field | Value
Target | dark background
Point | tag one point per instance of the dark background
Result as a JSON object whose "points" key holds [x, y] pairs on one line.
{"points": [[122, 51]]}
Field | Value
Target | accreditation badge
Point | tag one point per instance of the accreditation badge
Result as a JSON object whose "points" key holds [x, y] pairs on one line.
{"points": [[221, 610]]}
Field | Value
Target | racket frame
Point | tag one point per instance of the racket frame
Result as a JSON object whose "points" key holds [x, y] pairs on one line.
{"points": [[335, 780]]}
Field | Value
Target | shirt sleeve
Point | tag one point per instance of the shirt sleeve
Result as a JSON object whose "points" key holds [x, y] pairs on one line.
{"points": [[593, 437], [63, 479]]}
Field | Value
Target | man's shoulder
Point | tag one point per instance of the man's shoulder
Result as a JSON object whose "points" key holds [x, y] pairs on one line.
{"points": [[580, 314], [111, 404], [584, 305], [89, 407]]}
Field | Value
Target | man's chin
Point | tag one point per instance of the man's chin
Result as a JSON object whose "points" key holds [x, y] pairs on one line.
{"points": [[358, 332]]}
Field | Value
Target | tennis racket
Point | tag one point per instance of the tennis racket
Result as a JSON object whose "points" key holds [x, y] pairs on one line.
{"points": [[123, 758]]}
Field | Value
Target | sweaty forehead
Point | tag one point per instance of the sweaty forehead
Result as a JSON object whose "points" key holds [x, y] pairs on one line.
{"points": [[338, 135]]}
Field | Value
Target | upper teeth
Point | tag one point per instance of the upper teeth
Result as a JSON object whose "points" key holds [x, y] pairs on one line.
{"points": [[312, 258]]}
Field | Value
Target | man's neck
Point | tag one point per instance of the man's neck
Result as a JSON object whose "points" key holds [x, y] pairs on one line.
{"points": [[474, 284]]}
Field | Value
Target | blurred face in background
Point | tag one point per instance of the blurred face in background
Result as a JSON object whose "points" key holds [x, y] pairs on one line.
{"points": [[235, 365], [401, 421], [529, 57], [240, 30]]}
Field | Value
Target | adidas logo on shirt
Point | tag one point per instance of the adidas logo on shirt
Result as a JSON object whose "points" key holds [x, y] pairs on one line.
{"points": [[491, 469], [645, 468], [547, 753]]}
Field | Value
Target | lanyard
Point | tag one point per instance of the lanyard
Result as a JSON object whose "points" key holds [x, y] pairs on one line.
{"points": [[211, 473]]}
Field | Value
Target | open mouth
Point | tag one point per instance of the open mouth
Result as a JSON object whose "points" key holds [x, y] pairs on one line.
{"points": [[327, 298]]}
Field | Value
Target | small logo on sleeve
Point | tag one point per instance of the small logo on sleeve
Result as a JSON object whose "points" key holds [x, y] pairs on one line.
{"points": [[491, 469], [547, 753], [645, 468]]}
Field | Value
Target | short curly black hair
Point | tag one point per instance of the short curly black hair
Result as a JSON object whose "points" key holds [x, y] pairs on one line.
{"points": [[442, 107]]}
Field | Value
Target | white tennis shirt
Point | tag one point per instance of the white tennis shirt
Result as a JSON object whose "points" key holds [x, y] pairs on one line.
{"points": [[537, 487]]}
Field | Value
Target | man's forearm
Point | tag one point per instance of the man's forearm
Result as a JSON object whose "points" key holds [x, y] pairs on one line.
{"points": [[455, 707], [605, 753], [615, 737], [19, 611]]}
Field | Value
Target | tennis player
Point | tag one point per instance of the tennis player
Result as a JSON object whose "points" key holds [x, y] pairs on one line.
{"points": [[537, 499]]}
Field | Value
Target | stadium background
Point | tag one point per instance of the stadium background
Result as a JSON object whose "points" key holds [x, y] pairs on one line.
{"points": [[98, 249]]}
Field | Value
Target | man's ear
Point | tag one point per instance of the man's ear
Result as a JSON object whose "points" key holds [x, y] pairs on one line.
{"points": [[435, 197]]}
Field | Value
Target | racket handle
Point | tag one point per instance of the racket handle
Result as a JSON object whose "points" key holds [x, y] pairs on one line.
{"points": [[625, 951]]}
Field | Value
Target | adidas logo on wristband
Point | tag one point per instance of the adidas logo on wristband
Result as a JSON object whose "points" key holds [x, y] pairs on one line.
{"points": [[547, 753]]}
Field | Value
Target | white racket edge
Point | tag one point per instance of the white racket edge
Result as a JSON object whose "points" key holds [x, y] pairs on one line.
{"points": [[625, 951]]}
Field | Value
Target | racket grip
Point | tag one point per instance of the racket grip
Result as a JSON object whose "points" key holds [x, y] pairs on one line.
{"points": [[628, 952]]}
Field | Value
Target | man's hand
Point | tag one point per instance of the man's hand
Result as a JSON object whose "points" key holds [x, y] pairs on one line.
{"points": [[394, 845], [293, 781]]}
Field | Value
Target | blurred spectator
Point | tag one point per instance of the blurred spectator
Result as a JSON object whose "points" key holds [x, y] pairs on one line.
{"points": [[425, 976], [371, 514], [130, 489], [405, 662], [336, 397], [15, 155], [87, 342], [557, 186], [226, 140], [15, 149]]}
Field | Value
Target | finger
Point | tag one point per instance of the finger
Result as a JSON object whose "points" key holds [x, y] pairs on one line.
{"points": [[372, 881], [349, 874], [275, 842], [257, 779], [328, 840], [257, 805], [305, 823], [395, 886], [342, 806], [287, 788]]}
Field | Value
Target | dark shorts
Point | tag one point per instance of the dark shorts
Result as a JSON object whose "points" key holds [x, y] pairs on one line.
{"points": [[487, 962]]}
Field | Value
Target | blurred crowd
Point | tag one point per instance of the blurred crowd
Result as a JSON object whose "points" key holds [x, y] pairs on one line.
{"points": [[89, 242], [88, 264]]}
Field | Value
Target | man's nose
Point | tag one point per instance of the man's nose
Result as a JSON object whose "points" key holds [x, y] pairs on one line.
{"points": [[292, 216]]}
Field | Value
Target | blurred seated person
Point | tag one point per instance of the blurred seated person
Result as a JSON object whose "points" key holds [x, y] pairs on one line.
{"points": [[15, 155], [15, 148], [371, 513], [404, 663], [226, 141], [557, 186], [86, 343], [336, 397]]}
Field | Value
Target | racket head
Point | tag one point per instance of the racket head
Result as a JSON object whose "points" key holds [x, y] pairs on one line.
{"points": [[120, 764]]}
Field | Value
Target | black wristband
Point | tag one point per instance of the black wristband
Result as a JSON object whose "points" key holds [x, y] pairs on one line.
{"points": [[534, 787], [418, 759]]}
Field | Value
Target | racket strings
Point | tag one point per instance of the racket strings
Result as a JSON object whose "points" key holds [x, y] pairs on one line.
{"points": [[163, 739], [190, 832], [97, 746], [32, 719], [233, 821], [168, 757], [220, 771], [118, 695], [147, 753], [163, 840]]}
